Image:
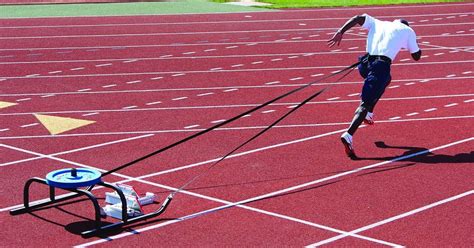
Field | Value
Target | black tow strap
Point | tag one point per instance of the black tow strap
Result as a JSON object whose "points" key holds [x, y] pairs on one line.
{"points": [[261, 132], [235, 118]]}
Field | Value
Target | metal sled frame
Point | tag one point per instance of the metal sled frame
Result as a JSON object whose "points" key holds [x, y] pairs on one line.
{"points": [[27, 207]]}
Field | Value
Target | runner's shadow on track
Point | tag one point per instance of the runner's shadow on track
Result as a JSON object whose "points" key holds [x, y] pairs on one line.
{"points": [[427, 157]]}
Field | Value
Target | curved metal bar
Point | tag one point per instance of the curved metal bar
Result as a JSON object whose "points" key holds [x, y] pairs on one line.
{"points": [[95, 203]]}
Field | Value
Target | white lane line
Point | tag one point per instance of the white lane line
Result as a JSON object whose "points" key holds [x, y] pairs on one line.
{"points": [[412, 114], [216, 69], [394, 86], [430, 109], [77, 69], [296, 78], [218, 121], [470, 100], [109, 85], [392, 219], [289, 189], [237, 65], [437, 54], [32, 75], [130, 61], [156, 78], [257, 62], [49, 95], [412, 83], [333, 98], [178, 74], [231, 106], [467, 72], [450, 105], [231, 47], [317, 75], [54, 72], [72, 151], [179, 98], [252, 44], [153, 103], [451, 75], [395, 118], [469, 117], [192, 126], [277, 59], [89, 114], [403, 60], [4, 129], [23, 99], [206, 94], [187, 53], [274, 82], [29, 125], [134, 82], [83, 90], [210, 50], [354, 94], [437, 19], [130, 107], [103, 65], [268, 111], [230, 90], [166, 56], [293, 57]]}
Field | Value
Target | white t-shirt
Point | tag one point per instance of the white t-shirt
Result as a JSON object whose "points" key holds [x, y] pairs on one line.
{"points": [[387, 38]]}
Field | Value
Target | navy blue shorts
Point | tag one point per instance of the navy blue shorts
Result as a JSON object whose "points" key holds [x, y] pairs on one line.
{"points": [[377, 77]]}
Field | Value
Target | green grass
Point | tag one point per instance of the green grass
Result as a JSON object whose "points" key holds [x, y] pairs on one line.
{"points": [[338, 3], [119, 9]]}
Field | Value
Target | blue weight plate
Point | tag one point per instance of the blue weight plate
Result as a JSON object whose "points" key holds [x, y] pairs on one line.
{"points": [[73, 178]]}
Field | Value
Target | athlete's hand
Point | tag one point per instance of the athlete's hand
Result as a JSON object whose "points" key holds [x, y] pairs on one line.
{"points": [[336, 39]]}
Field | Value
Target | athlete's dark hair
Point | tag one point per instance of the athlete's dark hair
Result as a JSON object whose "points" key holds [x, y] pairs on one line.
{"points": [[404, 22]]}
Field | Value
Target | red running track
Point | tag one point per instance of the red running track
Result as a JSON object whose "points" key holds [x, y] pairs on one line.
{"points": [[150, 81]]}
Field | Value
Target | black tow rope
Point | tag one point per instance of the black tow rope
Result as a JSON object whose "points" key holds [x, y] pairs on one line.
{"points": [[265, 129], [347, 69]]}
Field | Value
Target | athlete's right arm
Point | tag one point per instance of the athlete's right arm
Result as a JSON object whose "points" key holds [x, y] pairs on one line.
{"points": [[337, 37], [413, 47]]}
